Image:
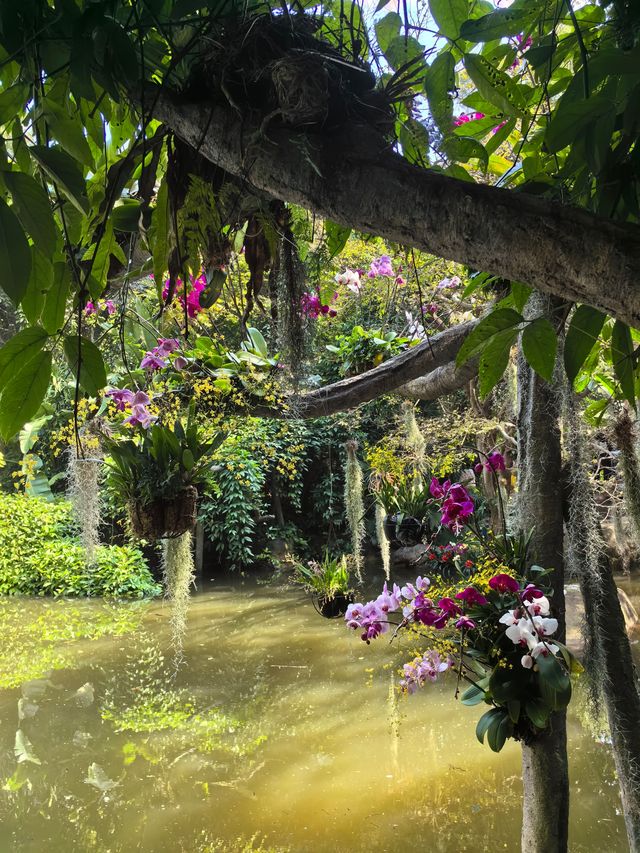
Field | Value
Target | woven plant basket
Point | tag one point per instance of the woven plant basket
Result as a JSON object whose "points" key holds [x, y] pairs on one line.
{"points": [[165, 518]]}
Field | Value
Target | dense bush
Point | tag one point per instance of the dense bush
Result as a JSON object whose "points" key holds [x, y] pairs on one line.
{"points": [[39, 555]]}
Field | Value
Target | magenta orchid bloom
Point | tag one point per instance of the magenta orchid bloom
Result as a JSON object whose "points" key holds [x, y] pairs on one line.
{"points": [[504, 583], [166, 346], [110, 306], [90, 308], [466, 624], [140, 416], [495, 461], [471, 597]]}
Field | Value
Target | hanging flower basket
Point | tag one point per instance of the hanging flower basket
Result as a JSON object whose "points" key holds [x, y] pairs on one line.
{"points": [[332, 607], [165, 518]]}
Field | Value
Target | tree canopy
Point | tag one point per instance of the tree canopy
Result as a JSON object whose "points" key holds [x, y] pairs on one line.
{"points": [[161, 136]]}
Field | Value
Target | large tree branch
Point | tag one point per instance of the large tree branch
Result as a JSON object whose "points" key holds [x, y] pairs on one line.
{"points": [[556, 249], [439, 350], [443, 380]]}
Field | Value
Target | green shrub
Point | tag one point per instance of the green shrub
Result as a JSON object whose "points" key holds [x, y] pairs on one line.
{"points": [[39, 555]]}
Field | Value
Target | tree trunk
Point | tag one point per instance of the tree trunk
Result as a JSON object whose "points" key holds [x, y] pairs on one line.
{"points": [[619, 688], [545, 773]]}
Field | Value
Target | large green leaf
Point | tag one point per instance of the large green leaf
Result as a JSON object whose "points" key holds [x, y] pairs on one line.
{"points": [[572, 117], [495, 25], [584, 329], [449, 15], [32, 206], [402, 50], [23, 394], [497, 321], [86, 363], [19, 350], [623, 360], [63, 170], [337, 236], [494, 85], [55, 302], [539, 345], [387, 29], [414, 138], [69, 132], [465, 148], [494, 359], [439, 82], [15, 255], [40, 281]]}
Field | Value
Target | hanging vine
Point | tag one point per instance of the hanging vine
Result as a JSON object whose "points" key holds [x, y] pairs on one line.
{"points": [[354, 504], [83, 490], [383, 542], [626, 441], [178, 572]]}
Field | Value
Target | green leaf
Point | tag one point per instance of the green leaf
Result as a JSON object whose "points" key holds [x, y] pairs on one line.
{"points": [[258, 342], [539, 345], [40, 281], [414, 138], [439, 82], [497, 321], [513, 707], [126, 215], [571, 117], [69, 132], [55, 302], [495, 25], [92, 373], [465, 148], [15, 255], [494, 360], [449, 15], [623, 360], [499, 730], [387, 29], [494, 85], [32, 206], [485, 721], [520, 294], [403, 49], [19, 350], [538, 712], [582, 335], [12, 101], [64, 171], [23, 394], [473, 695], [337, 236]]}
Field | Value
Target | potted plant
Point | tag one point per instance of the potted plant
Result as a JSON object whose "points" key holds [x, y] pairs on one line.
{"points": [[328, 583], [156, 470], [407, 503]]}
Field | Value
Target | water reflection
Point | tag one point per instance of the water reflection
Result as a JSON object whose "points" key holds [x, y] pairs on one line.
{"points": [[280, 727]]}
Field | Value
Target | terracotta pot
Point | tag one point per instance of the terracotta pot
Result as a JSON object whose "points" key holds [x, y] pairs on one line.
{"points": [[165, 518]]}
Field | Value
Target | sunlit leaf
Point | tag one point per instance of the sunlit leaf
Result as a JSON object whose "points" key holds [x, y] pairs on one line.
{"points": [[15, 255], [23, 394]]}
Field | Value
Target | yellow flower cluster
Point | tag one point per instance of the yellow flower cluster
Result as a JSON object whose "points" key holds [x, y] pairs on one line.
{"points": [[65, 436]]}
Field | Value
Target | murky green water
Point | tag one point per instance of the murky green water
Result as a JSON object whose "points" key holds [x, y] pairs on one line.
{"points": [[280, 724]]}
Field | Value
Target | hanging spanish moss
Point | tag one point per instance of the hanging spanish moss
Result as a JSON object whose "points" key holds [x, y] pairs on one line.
{"points": [[290, 285], [383, 542], [415, 440], [626, 441], [585, 547], [354, 504], [83, 490], [178, 572]]}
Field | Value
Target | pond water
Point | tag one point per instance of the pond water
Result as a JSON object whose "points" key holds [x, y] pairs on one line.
{"points": [[280, 726]]}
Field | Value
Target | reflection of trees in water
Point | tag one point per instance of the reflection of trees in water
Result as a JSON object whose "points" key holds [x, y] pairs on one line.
{"points": [[36, 636], [143, 734]]}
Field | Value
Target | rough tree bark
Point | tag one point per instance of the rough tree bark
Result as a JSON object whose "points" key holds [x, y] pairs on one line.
{"points": [[545, 773], [440, 381], [619, 688], [557, 249], [422, 359]]}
